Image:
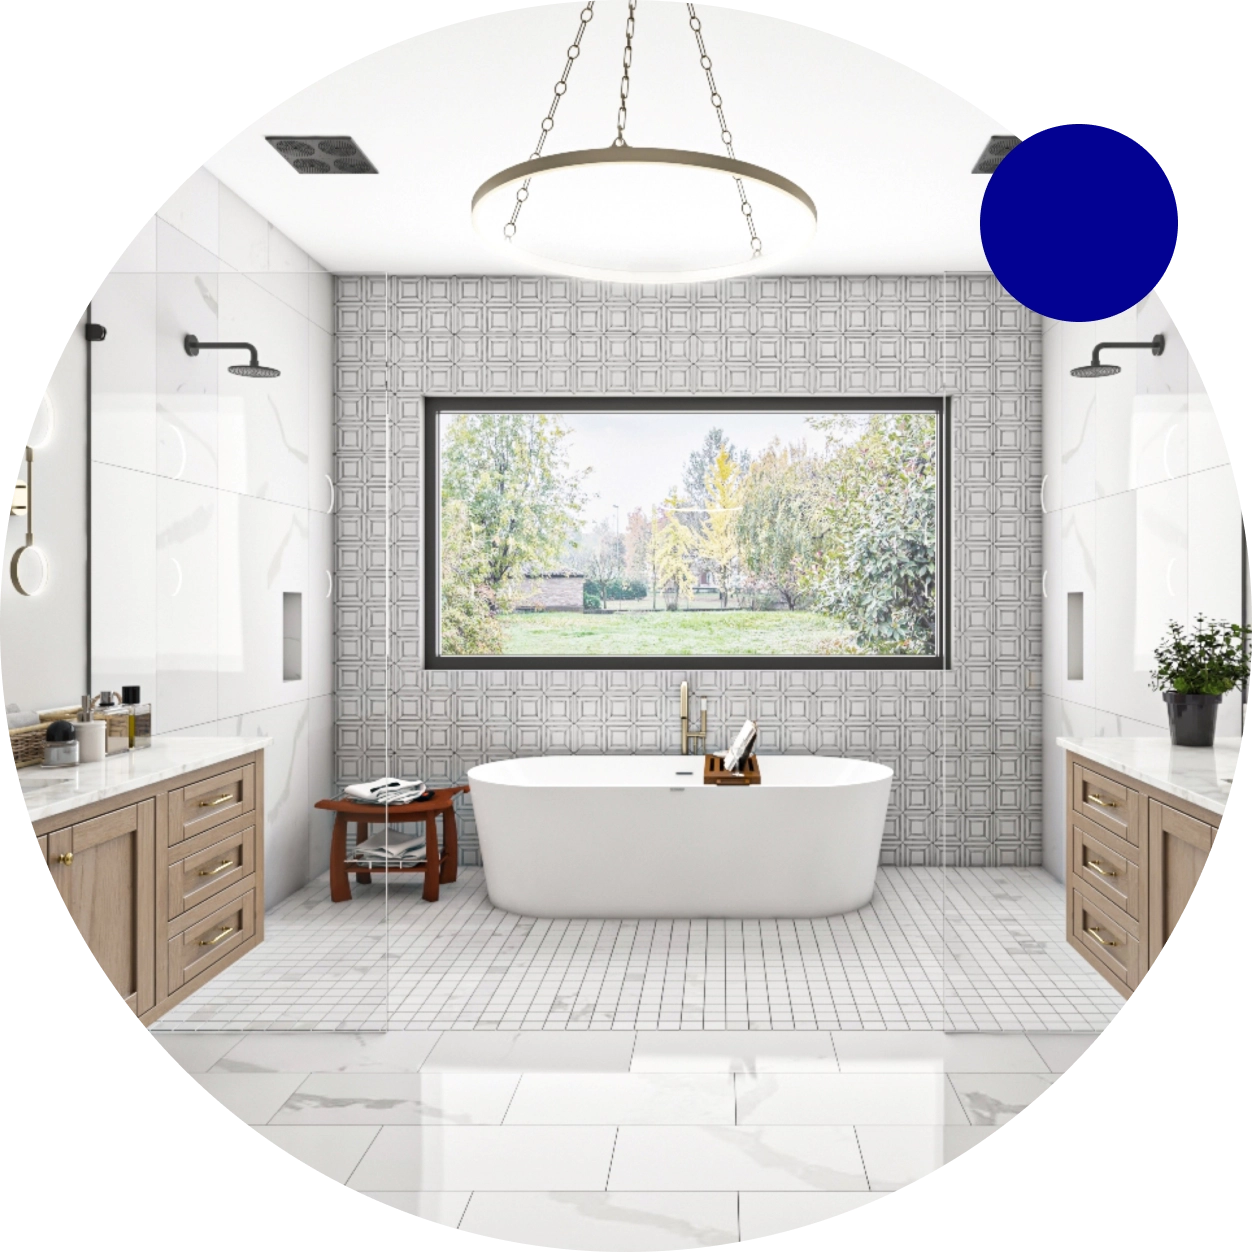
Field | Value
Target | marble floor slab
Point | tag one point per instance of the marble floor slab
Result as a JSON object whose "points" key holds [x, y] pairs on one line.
{"points": [[737, 1158], [764, 1213], [623, 1100], [898, 1155], [993, 1099], [847, 1099], [427, 1099], [624, 1221]]}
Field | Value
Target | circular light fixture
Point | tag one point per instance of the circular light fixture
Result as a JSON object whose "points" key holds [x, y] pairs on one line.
{"points": [[28, 570], [644, 215]]}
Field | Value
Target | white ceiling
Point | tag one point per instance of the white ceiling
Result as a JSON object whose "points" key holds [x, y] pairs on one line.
{"points": [[886, 153]]}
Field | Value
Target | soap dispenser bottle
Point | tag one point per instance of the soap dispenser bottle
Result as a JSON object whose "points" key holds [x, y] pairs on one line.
{"points": [[90, 733], [139, 718]]}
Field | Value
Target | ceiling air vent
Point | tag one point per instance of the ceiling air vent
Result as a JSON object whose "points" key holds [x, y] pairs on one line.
{"points": [[322, 154], [998, 147]]}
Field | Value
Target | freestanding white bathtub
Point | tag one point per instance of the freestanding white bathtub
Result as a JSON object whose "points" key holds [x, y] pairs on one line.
{"points": [[642, 836]]}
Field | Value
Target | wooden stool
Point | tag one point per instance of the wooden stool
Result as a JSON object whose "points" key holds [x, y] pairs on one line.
{"points": [[435, 868]]}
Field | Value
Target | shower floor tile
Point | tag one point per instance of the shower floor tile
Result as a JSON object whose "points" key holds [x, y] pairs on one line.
{"points": [[935, 950]]}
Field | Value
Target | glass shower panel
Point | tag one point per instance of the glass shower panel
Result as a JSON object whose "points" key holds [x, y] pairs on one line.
{"points": [[257, 504]]}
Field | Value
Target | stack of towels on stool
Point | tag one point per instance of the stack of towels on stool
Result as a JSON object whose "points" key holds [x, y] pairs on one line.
{"points": [[387, 791], [393, 846]]}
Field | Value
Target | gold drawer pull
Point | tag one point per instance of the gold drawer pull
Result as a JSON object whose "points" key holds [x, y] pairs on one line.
{"points": [[1092, 798], [1094, 932], [220, 869], [66, 858], [212, 804], [1095, 865], [210, 943]]}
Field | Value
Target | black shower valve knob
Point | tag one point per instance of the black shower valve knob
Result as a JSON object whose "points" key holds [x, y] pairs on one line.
{"points": [[95, 332]]}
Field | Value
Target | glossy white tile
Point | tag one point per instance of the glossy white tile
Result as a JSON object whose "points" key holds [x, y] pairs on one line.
{"points": [[253, 1098], [186, 606], [993, 1099], [285, 256], [178, 254], [193, 209], [932, 1052], [1078, 574], [898, 1155], [733, 1052], [532, 1051], [187, 422], [331, 1150], [1060, 717], [264, 433], [123, 578], [343, 1052], [262, 553], [605, 1221], [1206, 447], [623, 1099], [320, 607], [737, 1158], [123, 373], [1060, 1051], [198, 1051], [321, 421], [398, 1099], [321, 781], [891, 1099], [286, 792], [487, 1158], [322, 300], [764, 1213]]}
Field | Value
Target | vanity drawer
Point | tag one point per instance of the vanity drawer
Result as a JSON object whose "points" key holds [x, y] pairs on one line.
{"points": [[213, 862], [1108, 866], [211, 802], [1107, 937], [210, 934], [1107, 803]]}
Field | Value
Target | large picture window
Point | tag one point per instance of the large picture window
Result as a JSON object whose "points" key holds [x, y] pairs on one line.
{"points": [[566, 533]]}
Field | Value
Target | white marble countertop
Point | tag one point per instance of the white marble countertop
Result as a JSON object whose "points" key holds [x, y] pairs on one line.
{"points": [[51, 791], [1201, 775]]}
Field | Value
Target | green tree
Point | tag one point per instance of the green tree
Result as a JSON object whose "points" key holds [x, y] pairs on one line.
{"points": [[877, 570], [719, 536], [512, 474], [673, 547], [780, 526], [607, 562], [467, 625]]}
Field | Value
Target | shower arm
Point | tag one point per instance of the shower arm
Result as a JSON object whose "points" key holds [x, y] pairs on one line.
{"points": [[192, 346], [1156, 344]]}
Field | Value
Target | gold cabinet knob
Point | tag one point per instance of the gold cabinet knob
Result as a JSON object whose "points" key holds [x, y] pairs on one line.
{"points": [[66, 858]]}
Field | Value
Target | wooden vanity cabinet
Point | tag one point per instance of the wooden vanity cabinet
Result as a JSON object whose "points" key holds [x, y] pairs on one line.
{"points": [[165, 882], [1133, 857]]}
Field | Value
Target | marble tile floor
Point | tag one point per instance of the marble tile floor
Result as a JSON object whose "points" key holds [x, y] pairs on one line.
{"points": [[632, 1141], [961, 949]]}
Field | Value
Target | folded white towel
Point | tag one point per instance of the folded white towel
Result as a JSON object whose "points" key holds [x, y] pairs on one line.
{"points": [[18, 719], [379, 789], [390, 848]]}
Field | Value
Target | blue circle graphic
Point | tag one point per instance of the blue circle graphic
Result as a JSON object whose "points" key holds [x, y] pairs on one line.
{"points": [[1079, 222]]}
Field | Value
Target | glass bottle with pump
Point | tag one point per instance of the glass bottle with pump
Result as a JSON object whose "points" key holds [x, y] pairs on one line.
{"points": [[139, 718]]}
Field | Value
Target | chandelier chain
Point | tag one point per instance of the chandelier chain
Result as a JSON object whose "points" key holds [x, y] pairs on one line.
{"points": [[628, 55], [715, 98], [549, 121]]}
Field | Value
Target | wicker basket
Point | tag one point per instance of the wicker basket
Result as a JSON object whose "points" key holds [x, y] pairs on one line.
{"points": [[27, 741]]}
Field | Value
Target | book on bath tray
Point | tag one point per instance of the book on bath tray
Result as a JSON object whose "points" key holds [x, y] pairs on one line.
{"points": [[387, 791], [740, 748]]}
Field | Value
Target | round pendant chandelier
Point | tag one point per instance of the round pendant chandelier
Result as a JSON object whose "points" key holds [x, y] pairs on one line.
{"points": [[642, 215]]}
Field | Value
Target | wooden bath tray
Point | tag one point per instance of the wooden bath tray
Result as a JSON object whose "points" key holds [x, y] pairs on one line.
{"points": [[714, 772]]}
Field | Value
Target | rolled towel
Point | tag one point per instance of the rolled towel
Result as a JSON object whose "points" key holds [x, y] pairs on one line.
{"points": [[19, 718]]}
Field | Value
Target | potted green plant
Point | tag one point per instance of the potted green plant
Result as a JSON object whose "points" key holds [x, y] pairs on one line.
{"points": [[1194, 669]]}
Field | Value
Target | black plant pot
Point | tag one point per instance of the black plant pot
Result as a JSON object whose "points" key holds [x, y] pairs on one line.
{"points": [[1192, 719]]}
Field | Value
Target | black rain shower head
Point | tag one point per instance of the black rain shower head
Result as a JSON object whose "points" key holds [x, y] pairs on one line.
{"points": [[192, 346], [1096, 370]]}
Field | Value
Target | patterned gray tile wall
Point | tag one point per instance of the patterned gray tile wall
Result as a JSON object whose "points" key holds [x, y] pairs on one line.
{"points": [[966, 745]]}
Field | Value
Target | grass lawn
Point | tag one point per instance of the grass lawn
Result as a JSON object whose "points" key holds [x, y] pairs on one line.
{"points": [[734, 632]]}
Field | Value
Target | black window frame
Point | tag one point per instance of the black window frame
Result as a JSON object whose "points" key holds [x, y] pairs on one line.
{"points": [[433, 407]]}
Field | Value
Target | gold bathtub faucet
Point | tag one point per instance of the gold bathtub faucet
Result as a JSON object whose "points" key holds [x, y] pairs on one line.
{"points": [[690, 736]]}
